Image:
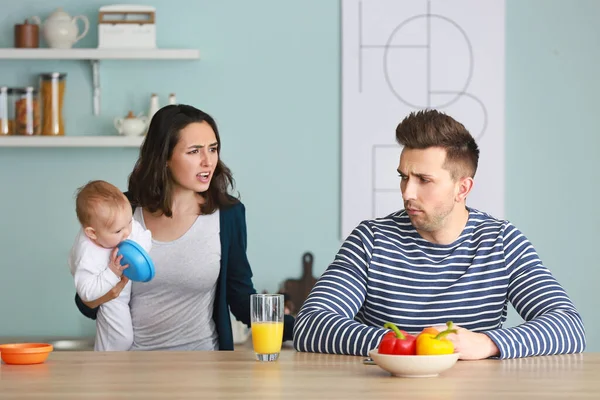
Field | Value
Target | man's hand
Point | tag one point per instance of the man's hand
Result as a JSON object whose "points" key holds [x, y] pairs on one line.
{"points": [[115, 263], [471, 345]]}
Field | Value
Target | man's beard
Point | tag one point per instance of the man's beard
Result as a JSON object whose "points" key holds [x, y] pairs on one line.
{"points": [[429, 222]]}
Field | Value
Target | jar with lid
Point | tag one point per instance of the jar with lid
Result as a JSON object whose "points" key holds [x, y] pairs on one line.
{"points": [[4, 121], [52, 92], [26, 111]]}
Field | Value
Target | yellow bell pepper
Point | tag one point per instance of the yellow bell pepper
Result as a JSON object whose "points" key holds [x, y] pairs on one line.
{"points": [[429, 343]]}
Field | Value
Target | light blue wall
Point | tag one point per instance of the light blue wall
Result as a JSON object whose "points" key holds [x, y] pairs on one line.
{"points": [[270, 74]]}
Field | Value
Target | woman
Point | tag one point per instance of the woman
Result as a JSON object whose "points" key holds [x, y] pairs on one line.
{"points": [[179, 191]]}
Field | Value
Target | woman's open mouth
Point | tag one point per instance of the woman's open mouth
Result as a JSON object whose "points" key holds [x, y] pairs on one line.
{"points": [[203, 177]]}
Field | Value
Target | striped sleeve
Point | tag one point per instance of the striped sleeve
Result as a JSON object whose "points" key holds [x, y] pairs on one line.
{"points": [[552, 324], [325, 323]]}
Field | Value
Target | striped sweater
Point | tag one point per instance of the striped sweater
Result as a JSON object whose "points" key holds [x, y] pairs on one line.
{"points": [[385, 271]]}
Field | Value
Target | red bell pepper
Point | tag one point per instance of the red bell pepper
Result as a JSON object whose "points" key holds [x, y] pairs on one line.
{"points": [[397, 342]]}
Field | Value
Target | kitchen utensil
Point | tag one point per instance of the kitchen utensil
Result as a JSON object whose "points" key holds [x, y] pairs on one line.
{"points": [[60, 30], [27, 36], [25, 353], [131, 125]]}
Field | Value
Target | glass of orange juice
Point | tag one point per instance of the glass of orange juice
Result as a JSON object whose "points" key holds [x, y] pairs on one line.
{"points": [[266, 311]]}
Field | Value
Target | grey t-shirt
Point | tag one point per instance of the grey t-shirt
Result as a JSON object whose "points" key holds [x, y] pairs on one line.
{"points": [[174, 310]]}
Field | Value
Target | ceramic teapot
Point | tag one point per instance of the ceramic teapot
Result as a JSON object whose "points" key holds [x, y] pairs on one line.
{"points": [[131, 125], [60, 29]]}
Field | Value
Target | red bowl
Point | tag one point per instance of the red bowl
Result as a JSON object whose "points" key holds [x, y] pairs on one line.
{"points": [[25, 353]]}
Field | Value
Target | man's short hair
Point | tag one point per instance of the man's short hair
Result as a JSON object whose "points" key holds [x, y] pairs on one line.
{"points": [[431, 128]]}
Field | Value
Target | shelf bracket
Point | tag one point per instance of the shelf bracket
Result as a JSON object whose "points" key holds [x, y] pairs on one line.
{"points": [[96, 84]]}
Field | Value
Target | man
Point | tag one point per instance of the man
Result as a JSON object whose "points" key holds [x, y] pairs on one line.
{"points": [[438, 260]]}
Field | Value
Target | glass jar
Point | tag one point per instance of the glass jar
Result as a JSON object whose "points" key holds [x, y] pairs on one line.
{"points": [[4, 121], [52, 91], [26, 111], [11, 110]]}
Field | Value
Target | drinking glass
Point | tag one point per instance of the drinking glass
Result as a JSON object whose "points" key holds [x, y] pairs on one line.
{"points": [[266, 311]]}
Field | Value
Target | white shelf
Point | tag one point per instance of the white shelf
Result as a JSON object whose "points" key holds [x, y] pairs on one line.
{"points": [[94, 56], [71, 141], [99, 54]]}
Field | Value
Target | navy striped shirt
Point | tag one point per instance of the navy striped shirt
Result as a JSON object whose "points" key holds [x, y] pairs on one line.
{"points": [[385, 271]]}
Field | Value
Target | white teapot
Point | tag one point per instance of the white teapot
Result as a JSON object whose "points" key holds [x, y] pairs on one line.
{"points": [[60, 29], [131, 125]]}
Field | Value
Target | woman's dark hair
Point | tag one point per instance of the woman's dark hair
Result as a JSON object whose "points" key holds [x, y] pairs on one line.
{"points": [[151, 183]]}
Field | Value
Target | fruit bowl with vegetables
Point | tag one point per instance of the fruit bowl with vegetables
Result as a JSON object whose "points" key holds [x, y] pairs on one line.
{"points": [[425, 355]]}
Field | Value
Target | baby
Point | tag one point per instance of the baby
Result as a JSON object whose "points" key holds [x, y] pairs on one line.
{"points": [[106, 220]]}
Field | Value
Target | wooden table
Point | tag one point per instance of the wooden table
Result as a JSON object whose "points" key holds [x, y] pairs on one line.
{"points": [[236, 375]]}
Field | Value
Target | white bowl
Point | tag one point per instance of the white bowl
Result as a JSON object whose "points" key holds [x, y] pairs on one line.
{"points": [[414, 366]]}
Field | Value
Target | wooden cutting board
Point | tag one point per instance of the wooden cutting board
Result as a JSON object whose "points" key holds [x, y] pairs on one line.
{"points": [[298, 289]]}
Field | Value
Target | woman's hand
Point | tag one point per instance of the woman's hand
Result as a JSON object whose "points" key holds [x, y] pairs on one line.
{"points": [[110, 295]]}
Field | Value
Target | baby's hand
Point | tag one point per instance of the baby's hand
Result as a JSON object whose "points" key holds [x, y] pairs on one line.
{"points": [[115, 263]]}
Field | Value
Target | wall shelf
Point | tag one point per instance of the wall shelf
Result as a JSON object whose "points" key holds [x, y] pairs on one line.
{"points": [[95, 55], [71, 141], [99, 54]]}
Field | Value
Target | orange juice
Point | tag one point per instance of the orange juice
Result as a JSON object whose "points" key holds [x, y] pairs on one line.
{"points": [[267, 337]]}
